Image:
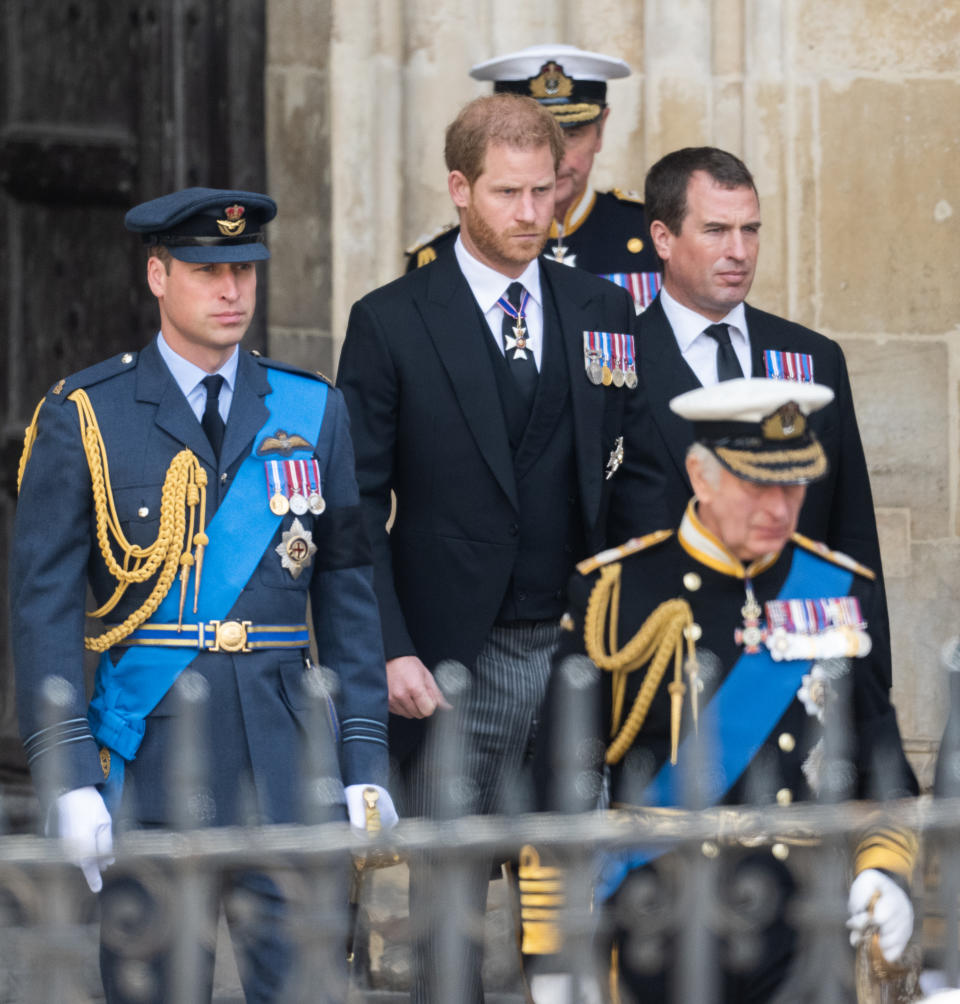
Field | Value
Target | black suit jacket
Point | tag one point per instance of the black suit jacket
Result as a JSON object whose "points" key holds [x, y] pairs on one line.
{"points": [[838, 510], [428, 425]]}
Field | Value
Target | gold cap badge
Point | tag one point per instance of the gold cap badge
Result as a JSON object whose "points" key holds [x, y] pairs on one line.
{"points": [[234, 224]]}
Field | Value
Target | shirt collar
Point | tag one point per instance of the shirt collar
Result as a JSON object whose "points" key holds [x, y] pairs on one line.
{"points": [[188, 375], [705, 547], [487, 284], [687, 324]]}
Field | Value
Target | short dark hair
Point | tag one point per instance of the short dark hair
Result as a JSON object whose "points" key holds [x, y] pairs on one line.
{"points": [[499, 119], [162, 252], [665, 191]]}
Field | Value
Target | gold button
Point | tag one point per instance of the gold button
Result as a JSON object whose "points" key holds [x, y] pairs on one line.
{"points": [[126, 358], [780, 851], [786, 742], [784, 796], [143, 512], [709, 849], [566, 622], [635, 245], [693, 632], [692, 581]]}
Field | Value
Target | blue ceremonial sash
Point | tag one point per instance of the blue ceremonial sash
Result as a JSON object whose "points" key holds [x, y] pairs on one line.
{"points": [[242, 527], [740, 717]]}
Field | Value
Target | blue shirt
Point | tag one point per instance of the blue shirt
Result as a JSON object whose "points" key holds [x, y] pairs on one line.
{"points": [[189, 378]]}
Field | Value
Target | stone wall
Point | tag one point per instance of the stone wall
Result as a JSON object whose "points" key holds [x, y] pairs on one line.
{"points": [[848, 114]]}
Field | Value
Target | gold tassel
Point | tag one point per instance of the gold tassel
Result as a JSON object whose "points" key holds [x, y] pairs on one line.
{"points": [[677, 689]]}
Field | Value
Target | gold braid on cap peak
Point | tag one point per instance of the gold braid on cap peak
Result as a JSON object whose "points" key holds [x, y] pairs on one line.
{"points": [[184, 488], [661, 636], [569, 114]]}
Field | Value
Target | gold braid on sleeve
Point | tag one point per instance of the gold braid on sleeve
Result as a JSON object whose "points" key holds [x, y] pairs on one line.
{"points": [[661, 636], [184, 490]]}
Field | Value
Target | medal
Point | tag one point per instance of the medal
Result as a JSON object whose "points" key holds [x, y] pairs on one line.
{"points": [[618, 360], [295, 479], [315, 501], [276, 488], [591, 357], [751, 634], [630, 367], [606, 377], [296, 548], [279, 505], [521, 338]]}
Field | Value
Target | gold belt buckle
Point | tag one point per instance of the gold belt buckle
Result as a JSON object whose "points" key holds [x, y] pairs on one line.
{"points": [[231, 636]]}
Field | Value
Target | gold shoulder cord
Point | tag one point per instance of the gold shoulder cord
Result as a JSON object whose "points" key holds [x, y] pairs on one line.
{"points": [[660, 637], [184, 488], [29, 438]]}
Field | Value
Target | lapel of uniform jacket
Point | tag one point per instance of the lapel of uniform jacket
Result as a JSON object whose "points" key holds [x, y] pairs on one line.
{"points": [[155, 384], [248, 412], [762, 337], [453, 321], [573, 306], [665, 375]]}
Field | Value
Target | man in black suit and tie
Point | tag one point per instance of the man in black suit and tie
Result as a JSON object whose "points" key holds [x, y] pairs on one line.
{"points": [[470, 400], [705, 223]]}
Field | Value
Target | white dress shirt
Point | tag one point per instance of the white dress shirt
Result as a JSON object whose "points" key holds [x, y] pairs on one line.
{"points": [[189, 379], [488, 286], [700, 350]]}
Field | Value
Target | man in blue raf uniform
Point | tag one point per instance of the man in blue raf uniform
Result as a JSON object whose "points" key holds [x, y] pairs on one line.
{"points": [[758, 632], [205, 494], [603, 232]]}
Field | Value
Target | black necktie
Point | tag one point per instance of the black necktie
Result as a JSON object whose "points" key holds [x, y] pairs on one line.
{"points": [[728, 365], [211, 421], [520, 359]]}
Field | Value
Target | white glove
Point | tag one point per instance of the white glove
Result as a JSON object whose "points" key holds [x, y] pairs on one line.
{"points": [[86, 830], [559, 988], [892, 913], [357, 808]]}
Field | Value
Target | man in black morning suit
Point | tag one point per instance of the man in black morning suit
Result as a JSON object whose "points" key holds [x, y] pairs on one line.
{"points": [[705, 221], [498, 495]]}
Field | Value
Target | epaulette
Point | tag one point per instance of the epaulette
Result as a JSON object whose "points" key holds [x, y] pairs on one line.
{"points": [[836, 557], [424, 239], [95, 374], [276, 364], [632, 546], [631, 196]]}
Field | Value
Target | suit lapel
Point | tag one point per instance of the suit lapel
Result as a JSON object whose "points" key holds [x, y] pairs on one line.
{"points": [[453, 321], [587, 400], [248, 413], [665, 375]]}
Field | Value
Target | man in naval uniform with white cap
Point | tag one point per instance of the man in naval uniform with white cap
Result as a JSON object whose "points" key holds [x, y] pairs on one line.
{"points": [[739, 633], [603, 232]]}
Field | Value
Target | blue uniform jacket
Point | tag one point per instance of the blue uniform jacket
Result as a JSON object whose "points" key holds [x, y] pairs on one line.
{"points": [[257, 707]]}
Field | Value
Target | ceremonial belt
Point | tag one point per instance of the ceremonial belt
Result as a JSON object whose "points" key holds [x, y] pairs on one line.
{"points": [[125, 692], [220, 636], [738, 720]]}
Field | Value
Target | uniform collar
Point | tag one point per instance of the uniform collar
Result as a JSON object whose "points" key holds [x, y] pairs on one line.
{"points": [[576, 214], [188, 375], [706, 548]]}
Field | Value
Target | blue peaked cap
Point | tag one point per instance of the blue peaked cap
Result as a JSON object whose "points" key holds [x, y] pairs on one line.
{"points": [[206, 224]]}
